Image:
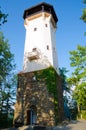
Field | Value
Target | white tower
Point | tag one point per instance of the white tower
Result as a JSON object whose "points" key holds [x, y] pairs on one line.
{"points": [[40, 42]]}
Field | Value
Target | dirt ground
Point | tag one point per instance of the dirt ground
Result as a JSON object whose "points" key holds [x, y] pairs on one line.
{"points": [[73, 125]]}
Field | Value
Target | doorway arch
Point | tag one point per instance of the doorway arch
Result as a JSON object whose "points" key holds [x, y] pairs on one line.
{"points": [[31, 115]]}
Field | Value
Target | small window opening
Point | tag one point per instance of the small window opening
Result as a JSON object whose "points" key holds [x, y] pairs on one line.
{"points": [[47, 47], [34, 49], [46, 25], [35, 29], [34, 78], [54, 48]]}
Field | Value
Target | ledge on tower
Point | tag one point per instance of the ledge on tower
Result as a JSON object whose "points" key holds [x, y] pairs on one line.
{"points": [[42, 7], [34, 55]]}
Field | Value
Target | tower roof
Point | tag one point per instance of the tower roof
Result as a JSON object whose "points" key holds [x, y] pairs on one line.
{"points": [[42, 7]]}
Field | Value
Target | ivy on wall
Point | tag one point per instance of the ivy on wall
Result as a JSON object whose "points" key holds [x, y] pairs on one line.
{"points": [[49, 75]]}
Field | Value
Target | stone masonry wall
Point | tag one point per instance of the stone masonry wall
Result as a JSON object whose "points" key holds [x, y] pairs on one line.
{"points": [[33, 92]]}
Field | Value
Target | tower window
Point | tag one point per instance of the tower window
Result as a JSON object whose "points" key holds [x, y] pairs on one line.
{"points": [[46, 25], [47, 47], [34, 49], [35, 29], [54, 48], [34, 78]]}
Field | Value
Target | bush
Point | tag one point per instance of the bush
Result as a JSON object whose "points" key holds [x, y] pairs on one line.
{"points": [[5, 121]]}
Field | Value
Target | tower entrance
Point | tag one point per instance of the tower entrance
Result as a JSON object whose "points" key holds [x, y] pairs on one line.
{"points": [[31, 115]]}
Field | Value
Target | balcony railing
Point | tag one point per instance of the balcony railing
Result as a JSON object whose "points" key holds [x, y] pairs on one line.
{"points": [[34, 55]]}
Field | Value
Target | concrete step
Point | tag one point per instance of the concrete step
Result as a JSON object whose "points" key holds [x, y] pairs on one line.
{"points": [[33, 128], [30, 128]]}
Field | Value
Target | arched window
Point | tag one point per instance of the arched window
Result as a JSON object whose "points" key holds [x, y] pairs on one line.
{"points": [[32, 115]]}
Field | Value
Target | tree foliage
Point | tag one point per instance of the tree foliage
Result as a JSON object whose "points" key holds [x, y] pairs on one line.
{"points": [[83, 17], [78, 78], [70, 106], [7, 80], [84, 1], [63, 72], [66, 91], [3, 17]]}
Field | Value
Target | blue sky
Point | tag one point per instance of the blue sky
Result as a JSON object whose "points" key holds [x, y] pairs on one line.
{"points": [[70, 29]]}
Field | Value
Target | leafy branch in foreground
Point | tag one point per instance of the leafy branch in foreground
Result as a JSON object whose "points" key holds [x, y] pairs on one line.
{"points": [[7, 82], [3, 17], [78, 78]]}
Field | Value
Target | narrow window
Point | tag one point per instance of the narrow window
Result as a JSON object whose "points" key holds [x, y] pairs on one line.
{"points": [[35, 29], [53, 48], [34, 49], [47, 47], [46, 25]]}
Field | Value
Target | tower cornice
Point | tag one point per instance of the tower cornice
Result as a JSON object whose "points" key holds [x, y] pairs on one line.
{"points": [[42, 7]]}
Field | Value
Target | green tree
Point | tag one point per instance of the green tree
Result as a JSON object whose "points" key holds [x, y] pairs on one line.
{"points": [[84, 1], [63, 71], [78, 77], [7, 81], [66, 90], [3, 17], [66, 94], [83, 16]]}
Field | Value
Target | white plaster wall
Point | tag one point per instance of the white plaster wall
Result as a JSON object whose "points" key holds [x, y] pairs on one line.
{"points": [[40, 38], [54, 49]]}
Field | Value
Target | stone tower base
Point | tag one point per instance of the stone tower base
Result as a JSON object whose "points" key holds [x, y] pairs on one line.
{"points": [[39, 98]]}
